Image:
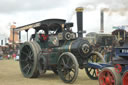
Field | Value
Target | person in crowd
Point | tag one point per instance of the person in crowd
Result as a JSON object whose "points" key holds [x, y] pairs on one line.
{"points": [[1, 54], [108, 55], [9, 56], [121, 41], [104, 52]]}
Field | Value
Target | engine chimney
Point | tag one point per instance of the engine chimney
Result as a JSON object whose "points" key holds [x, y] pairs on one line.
{"points": [[79, 11], [102, 21]]}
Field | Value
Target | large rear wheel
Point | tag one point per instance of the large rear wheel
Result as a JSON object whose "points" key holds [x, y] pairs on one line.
{"points": [[28, 60], [41, 64], [68, 67]]}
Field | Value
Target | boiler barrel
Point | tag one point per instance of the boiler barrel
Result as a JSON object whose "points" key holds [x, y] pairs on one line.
{"points": [[79, 47]]}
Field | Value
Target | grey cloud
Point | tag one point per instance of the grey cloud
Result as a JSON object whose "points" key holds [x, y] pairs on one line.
{"points": [[113, 4], [9, 6]]}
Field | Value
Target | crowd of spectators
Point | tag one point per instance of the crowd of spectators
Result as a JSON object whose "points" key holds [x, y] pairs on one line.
{"points": [[10, 54]]}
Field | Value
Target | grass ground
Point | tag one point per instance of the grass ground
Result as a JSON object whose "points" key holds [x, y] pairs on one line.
{"points": [[10, 74]]}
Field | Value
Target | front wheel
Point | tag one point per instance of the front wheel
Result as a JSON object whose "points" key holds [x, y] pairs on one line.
{"points": [[94, 57], [68, 67], [108, 76]]}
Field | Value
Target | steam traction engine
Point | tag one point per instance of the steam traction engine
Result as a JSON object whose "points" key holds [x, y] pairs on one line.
{"points": [[58, 49], [118, 70]]}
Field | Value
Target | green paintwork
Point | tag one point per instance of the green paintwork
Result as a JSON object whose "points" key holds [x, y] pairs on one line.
{"points": [[56, 52], [52, 56]]}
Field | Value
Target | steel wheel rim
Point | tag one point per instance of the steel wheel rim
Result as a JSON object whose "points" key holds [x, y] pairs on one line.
{"points": [[106, 78], [92, 72], [67, 68], [27, 60], [125, 78], [94, 58]]}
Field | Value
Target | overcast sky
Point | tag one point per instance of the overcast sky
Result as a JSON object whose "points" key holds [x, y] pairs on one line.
{"points": [[27, 11]]}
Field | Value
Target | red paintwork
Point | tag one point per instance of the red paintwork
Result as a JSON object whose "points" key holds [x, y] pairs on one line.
{"points": [[44, 36], [125, 79], [106, 78], [97, 72], [118, 68]]}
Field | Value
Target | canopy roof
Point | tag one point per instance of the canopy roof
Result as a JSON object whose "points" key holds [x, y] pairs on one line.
{"points": [[115, 32], [48, 24]]}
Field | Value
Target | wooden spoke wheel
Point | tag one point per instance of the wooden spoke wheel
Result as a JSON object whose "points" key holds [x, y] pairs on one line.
{"points": [[125, 78], [28, 60], [108, 76], [68, 67], [94, 57]]}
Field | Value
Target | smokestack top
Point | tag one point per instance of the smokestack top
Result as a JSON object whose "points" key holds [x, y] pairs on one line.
{"points": [[79, 9]]}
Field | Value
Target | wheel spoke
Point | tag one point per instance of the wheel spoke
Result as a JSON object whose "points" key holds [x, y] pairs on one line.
{"points": [[26, 59], [93, 73], [24, 53], [108, 74], [90, 70], [30, 55], [68, 59], [63, 62], [104, 76], [73, 71], [25, 66], [72, 66], [29, 68], [27, 48], [70, 77]]}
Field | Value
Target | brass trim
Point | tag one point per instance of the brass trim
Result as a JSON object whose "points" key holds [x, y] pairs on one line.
{"points": [[79, 9], [63, 45], [70, 46], [65, 42], [62, 27]]}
